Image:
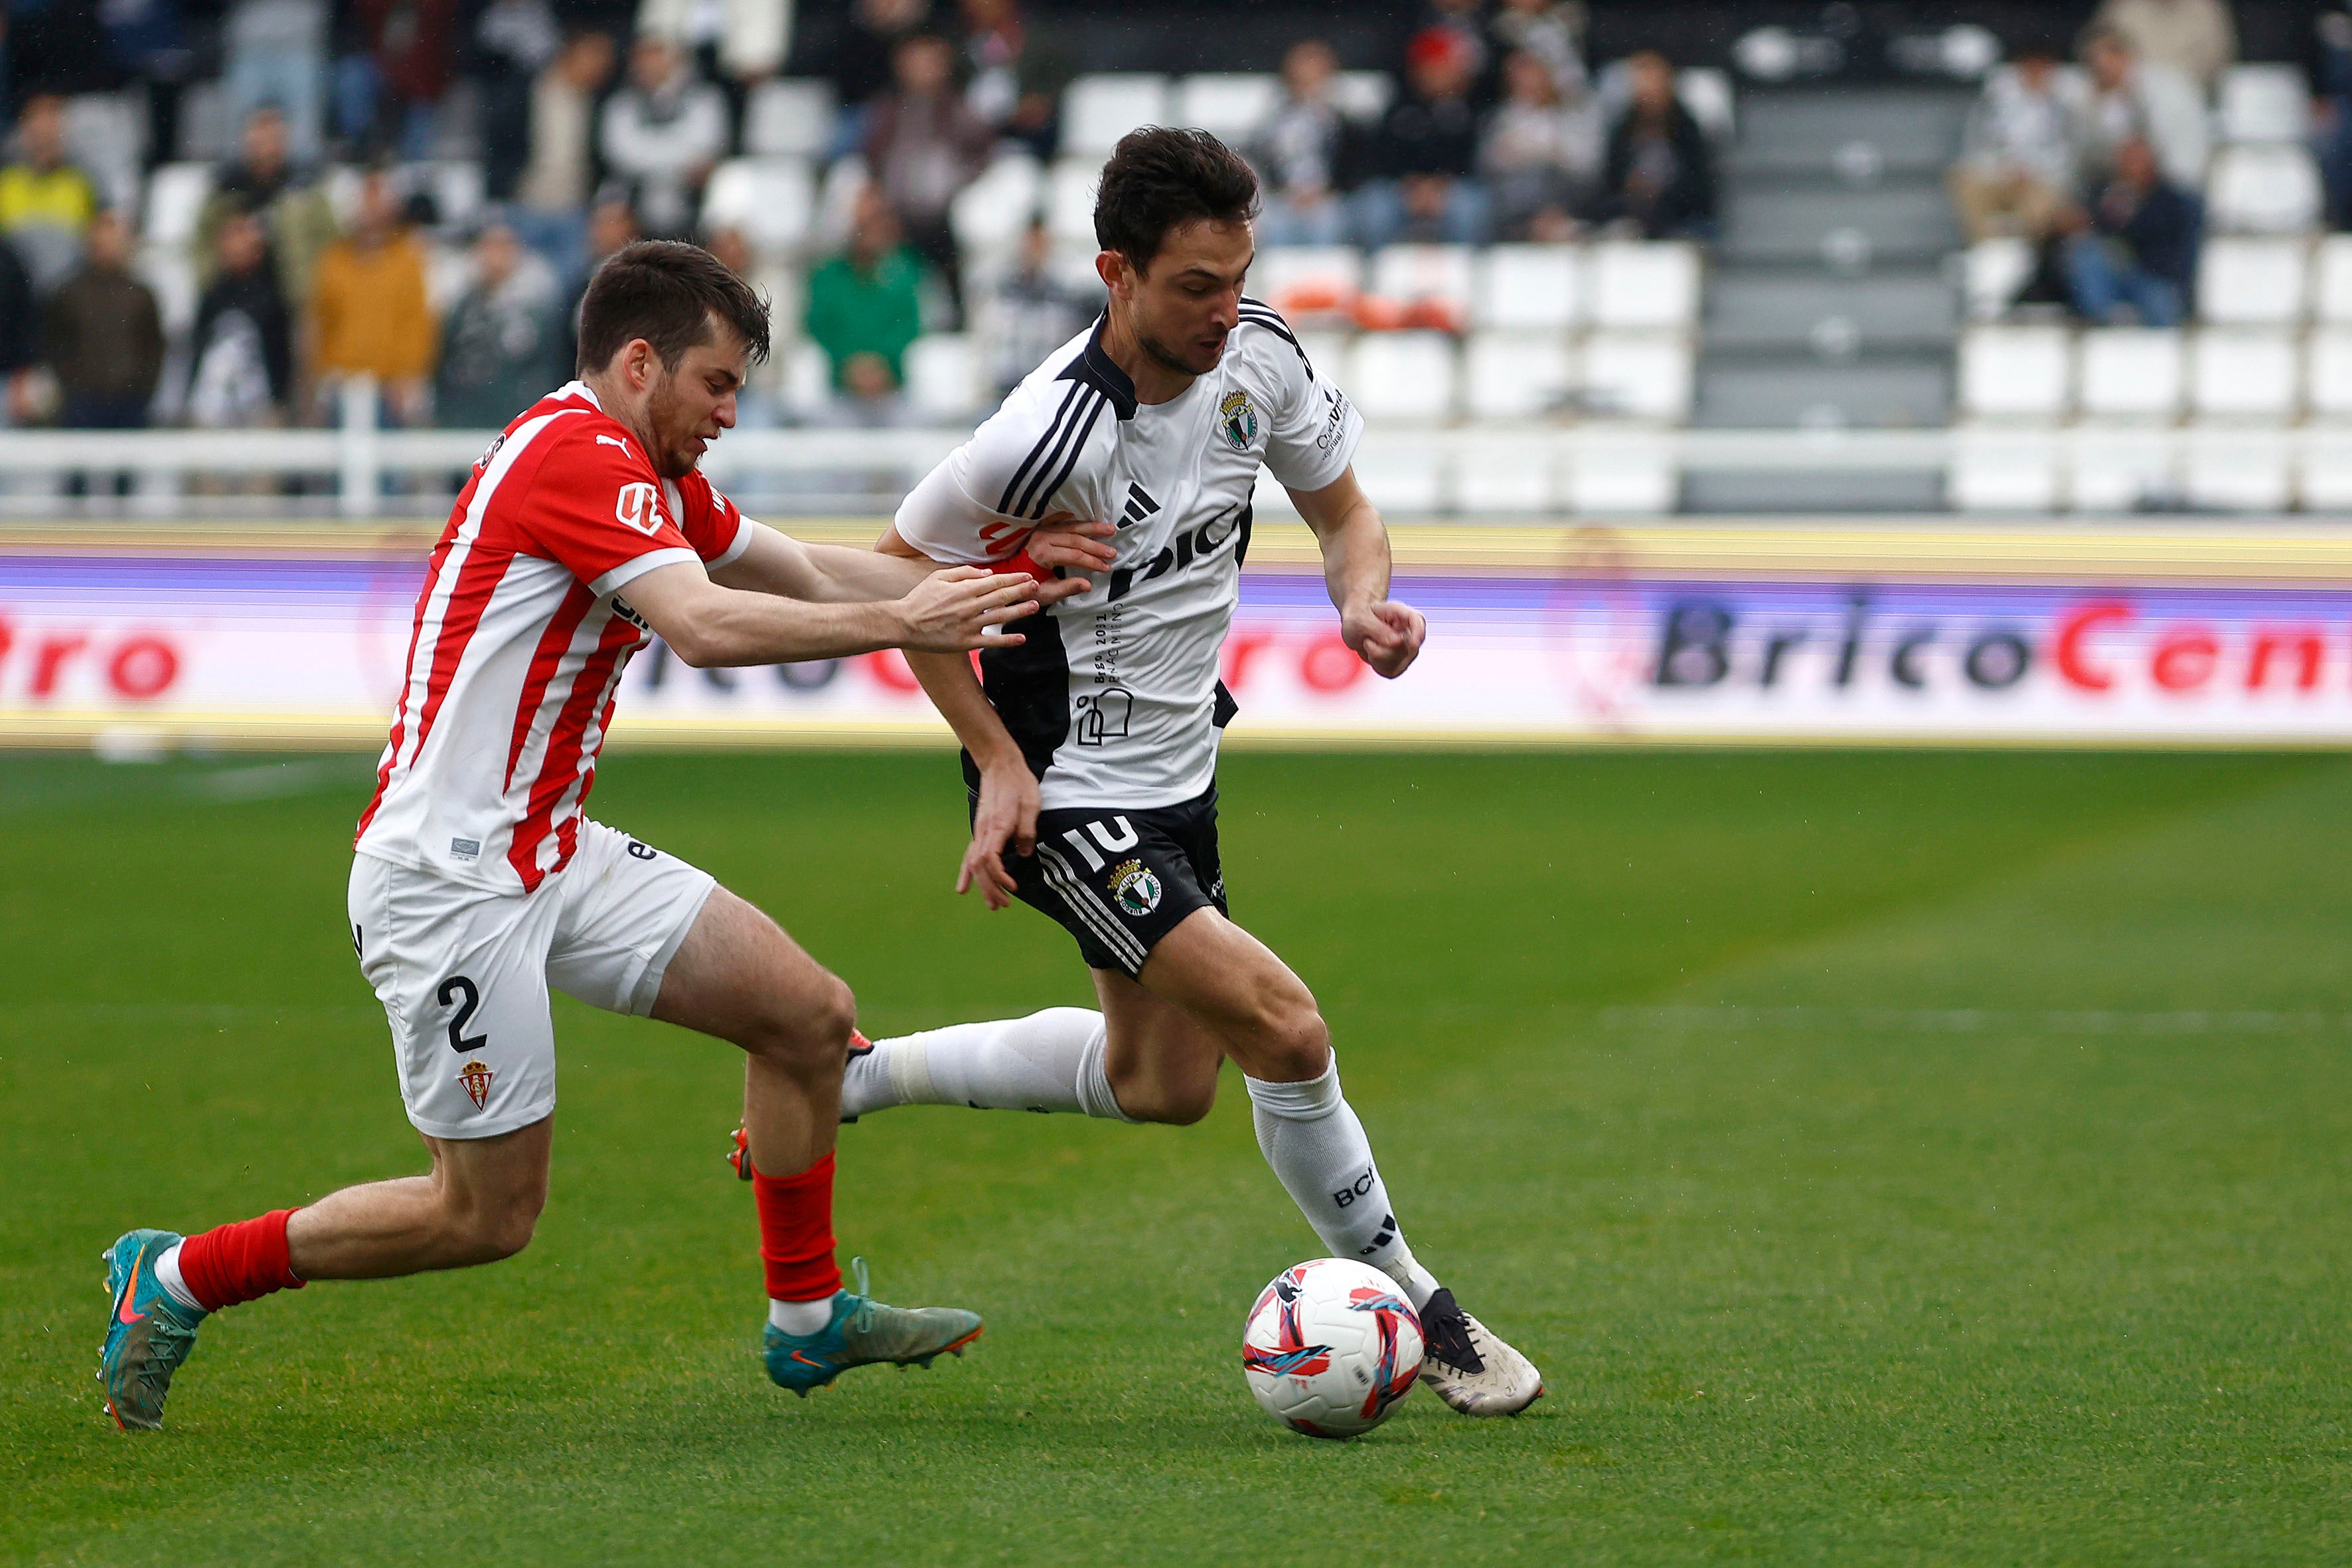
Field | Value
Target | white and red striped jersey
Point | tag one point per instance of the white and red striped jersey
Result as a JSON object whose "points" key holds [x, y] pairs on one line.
{"points": [[521, 640]]}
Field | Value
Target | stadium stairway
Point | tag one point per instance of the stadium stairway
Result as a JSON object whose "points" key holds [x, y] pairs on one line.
{"points": [[1829, 304]]}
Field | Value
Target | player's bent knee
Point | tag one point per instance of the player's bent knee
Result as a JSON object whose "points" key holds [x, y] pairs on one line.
{"points": [[1293, 1044], [808, 1033], [1167, 1105]]}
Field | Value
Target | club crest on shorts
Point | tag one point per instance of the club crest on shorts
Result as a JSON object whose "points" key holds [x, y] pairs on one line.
{"points": [[1136, 889], [475, 1076], [1237, 420]]}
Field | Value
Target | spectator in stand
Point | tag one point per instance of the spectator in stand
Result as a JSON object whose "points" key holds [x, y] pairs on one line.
{"points": [[502, 348], [662, 133], [2133, 255], [369, 314], [862, 62], [2331, 96], [1541, 156], [612, 224], [744, 40], [552, 197], [148, 40], [1553, 31], [394, 70], [514, 41], [102, 338], [865, 307], [45, 202], [293, 210], [2195, 37], [241, 350], [1306, 154], [2021, 150], [1034, 311], [1659, 178], [1461, 21], [2138, 99], [1427, 152], [277, 57], [1017, 74], [924, 146], [20, 338]]}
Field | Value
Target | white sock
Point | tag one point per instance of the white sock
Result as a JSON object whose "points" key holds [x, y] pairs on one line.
{"points": [[1318, 1148], [800, 1319], [1052, 1060], [167, 1273]]}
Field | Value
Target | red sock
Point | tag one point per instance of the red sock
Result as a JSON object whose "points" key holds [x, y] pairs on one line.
{"points": [[238, 1262], [796, 1233]]}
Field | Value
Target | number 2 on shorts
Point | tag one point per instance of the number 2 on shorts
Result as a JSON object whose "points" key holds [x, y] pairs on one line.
{"points": [[460, 1041]]}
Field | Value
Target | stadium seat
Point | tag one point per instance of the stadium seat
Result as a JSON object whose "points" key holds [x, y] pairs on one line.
{"points": [[770, 199], [1535, 287], [2265, 103], [1516, 374], [1638, 284], [1070, 199], [1327, 351], [2130, 373], [1630, 473], [1506, 472], [171, 271], [2244, 373], [943, 376], [807, 379], [2016, 373], [2331, 278], [790, 117], [1706, 91], [990, 213], [1097, 111], [1637, 375], [1420, 286], [1310, 282], [176, 194], [1992, 273], [838, 191], [1402, 481], [2263, 189], [1363, 95], [204, 133], [1403, 376], [1232, 104], [2324, 477], [2327, 374], [2003, 468], [454, 187], [2238, 470], [448, 273], [2120, 468], [2253, 281]]}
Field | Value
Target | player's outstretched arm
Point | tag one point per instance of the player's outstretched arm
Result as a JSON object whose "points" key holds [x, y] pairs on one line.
{"points": [[709, 626], [1385, 634], [790, 568]]}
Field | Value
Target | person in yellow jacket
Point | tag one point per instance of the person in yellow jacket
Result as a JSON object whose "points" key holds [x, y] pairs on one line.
{"points": [[368, 310], [45, 202]]}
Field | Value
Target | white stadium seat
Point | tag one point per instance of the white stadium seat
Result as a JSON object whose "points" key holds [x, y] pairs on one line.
{"points": [[448, 273], [2016, 373], [2119, 469], [1097, 111], [2253, 281], [1400, 481], [943, 376], [1637, 375], [171, 271], [1436, 277], [2244, 373], [772, 200], [2130, 372], [454, 186], [790, 117], [1530, 286], [2331, 278], [2265, 103], [1506, 472], [1640, 284], [2004, 469], [1070, 200], [2327, 378], [2263, 189], [1706, 91], [1232, 104], [2324, 480], [1992, 272], [176, 194], [1403, 376], [2238, 470], [991, 214], [1363, 95], [1516, 374], [807, 379], [1630, 473], [1307, 282]]}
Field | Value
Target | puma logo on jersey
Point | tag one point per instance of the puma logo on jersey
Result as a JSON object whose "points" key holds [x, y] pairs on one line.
{"points": [[1193, 544], [612, 441]]}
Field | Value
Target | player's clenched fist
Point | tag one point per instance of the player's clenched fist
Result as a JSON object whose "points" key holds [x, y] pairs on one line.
{"points": [[1387, 636], [950, 611]]}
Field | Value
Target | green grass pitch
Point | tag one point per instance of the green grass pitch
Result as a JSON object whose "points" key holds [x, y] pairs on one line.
{"points": [[1890, 1157]]}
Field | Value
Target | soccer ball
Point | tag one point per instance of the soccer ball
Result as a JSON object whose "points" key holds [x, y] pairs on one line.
{"points": [[1331, 1348]]}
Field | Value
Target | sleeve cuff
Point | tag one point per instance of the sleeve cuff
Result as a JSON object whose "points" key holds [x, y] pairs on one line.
{"points": [[734, 551], [629, 571]]}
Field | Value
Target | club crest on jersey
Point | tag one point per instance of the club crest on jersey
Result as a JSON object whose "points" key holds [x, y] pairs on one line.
{"points": [[1135, 887], [1237, 421], [476, 1076]]}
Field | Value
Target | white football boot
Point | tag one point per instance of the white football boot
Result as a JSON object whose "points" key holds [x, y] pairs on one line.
{"points": [[1469, 1368]]}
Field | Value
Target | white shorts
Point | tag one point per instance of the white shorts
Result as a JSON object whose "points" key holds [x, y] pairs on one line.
{"points": [[463, 973]]}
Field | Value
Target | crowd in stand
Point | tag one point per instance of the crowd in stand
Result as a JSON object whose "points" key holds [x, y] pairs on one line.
{"points": [[2103, 165], [596, 121]]}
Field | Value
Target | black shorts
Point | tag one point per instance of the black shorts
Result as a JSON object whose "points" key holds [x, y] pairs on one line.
{"points": [[1119, 878]]}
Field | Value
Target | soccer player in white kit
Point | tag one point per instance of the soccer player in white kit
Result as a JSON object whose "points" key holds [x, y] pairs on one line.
{"points": [[1092, 747], [480, 882]]}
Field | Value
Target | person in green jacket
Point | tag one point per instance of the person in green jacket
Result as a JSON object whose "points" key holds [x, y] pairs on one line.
{"points": [[865, 307]]}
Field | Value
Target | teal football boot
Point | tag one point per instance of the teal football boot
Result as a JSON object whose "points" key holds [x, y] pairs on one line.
{"points": [[862, 1333], [149, 1335]]}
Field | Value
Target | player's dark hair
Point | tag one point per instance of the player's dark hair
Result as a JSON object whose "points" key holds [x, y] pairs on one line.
{"points": [[665, 292], [1159, 179]]}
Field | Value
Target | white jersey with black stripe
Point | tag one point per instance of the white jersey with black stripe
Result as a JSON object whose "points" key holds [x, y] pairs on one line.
{"points": [[1114, 699]]}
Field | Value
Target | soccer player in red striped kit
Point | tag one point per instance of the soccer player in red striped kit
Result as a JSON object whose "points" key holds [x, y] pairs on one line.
{"points": [[479, 882]]}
